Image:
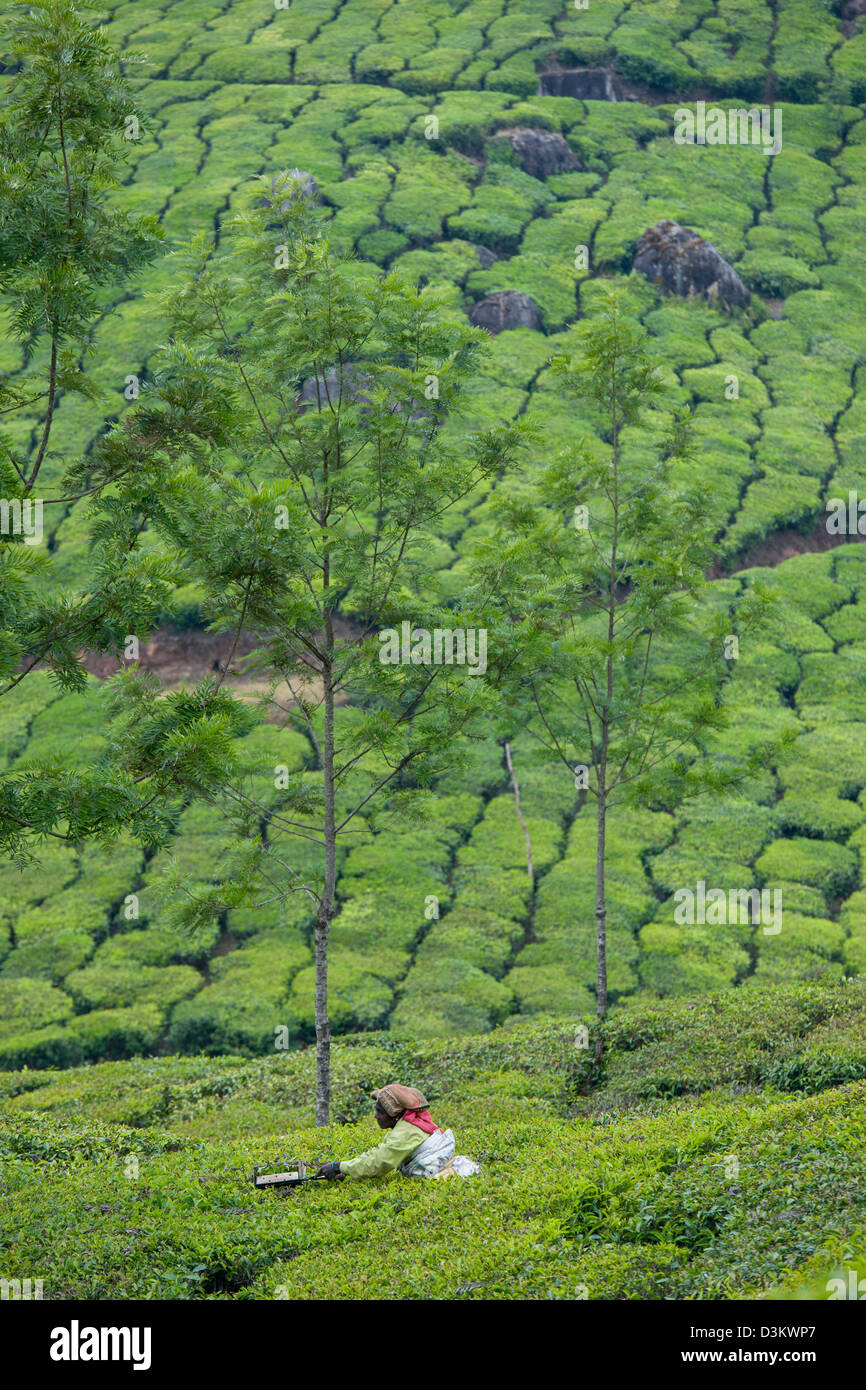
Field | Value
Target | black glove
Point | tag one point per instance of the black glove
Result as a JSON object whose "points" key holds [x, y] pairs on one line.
{"points": [[330, 1170]]}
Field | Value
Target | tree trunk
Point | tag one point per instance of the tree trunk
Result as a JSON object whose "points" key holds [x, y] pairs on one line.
{"points": [[325, 912], [529, 868], [600, 905], [323, 1028], [600, 921], [49, 417]]}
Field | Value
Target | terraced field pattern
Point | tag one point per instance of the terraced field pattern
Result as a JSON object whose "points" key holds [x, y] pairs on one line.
{"points": [[403, 113]]}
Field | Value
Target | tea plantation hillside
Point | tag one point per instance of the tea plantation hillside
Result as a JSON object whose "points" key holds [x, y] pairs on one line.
{"points": [[80, 980], [348, 92], [720, 1154], [90, 967]]}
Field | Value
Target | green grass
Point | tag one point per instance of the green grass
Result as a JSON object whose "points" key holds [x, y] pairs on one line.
{"points": [[671, 1175]]}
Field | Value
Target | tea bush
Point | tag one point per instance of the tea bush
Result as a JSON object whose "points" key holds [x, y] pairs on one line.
{"points": [[649, 1190]]}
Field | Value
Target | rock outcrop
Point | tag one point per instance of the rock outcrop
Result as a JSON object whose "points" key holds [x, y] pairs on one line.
{"points": [[357, 384], [327, 387], [587, 84], [504, 310], [681, 262], [308, 188], [486, 257], [541, 152]]}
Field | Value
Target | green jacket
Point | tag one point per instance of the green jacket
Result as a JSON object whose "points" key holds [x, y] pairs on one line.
{"points": [[401, 1143]]}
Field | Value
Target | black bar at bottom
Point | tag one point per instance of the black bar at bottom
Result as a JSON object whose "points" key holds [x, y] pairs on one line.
{"points": [[224, 1337]]}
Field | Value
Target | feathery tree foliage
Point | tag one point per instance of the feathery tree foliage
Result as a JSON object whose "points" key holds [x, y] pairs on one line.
{"points": [[65, 128], [300, 441], [598, 582]]}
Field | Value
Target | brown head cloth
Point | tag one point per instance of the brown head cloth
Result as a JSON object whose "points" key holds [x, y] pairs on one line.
{"points": [[394, 1099]]}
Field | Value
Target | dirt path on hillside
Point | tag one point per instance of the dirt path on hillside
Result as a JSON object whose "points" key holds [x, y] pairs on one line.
{"points": [[182, 658], [782, 545], [176, 656], [187, 656]]}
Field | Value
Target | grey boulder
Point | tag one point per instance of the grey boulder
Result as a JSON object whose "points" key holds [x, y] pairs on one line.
{"points": [[504, 310], [306, 188], [587, 84], [541, 152], [486, 257], [681, 262], [327, 388], [352, 384]]}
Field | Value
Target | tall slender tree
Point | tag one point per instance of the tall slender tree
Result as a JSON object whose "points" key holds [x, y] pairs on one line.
{"points": [[599, 581], [307, 522], [67, 126], [65, 131]]}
